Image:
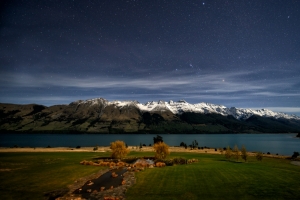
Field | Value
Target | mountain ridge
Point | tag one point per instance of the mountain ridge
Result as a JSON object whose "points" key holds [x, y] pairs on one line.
{"points": [[183, 106], [99, 115]]}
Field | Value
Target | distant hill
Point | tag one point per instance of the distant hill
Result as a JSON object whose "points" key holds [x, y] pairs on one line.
{"points": [[101, 116]]}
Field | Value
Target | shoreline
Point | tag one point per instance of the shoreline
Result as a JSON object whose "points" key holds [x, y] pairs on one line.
{"points": [[102, 149]]}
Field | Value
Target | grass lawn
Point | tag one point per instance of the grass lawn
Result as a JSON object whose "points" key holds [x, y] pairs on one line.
{"points": [[33, 174], [215, 178]]}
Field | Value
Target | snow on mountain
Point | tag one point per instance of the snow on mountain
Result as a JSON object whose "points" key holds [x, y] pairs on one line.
{"points": [[182, 106], [92, 102]]}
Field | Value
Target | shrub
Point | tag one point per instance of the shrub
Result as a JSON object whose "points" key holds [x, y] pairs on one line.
{"points": [[244, 153], [169, 162], [119, 149], [228, 153], [161, 150], [236, 152], [179, 161], [259, 156], [295, 155], [78, 147], [157, 139]]}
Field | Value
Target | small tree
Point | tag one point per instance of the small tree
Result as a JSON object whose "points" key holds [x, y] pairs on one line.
{"points": [[161, 150], [236, 152], [119, 149], [259, 156], [157, 139], [194, 144], [95, 148], [295, 155], [244, 153], [182, 144], [228, 153]]}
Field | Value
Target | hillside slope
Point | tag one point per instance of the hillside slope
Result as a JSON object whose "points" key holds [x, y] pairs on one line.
{"points": [[101, 116]]}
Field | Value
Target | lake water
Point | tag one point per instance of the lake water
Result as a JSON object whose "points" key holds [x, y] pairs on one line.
{"points": [[283, 144]]}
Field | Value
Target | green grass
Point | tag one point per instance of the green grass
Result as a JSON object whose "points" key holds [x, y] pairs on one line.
{"points": [[215, 178], [33, 174]]}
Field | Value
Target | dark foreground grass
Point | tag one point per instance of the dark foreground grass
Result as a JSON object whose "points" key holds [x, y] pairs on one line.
{"points": [[30, 175]]}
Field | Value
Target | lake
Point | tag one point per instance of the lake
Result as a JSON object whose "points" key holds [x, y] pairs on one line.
{"points": [[283, 144]]}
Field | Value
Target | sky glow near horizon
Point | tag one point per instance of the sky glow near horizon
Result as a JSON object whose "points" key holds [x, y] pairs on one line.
{"points": [[233, 53]]}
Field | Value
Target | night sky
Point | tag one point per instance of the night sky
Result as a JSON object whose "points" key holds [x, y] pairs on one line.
{"points": [[234, 53]]}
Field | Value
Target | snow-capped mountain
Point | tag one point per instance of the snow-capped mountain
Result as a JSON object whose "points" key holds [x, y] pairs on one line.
{"points": [[182, 106], [102, 116]]}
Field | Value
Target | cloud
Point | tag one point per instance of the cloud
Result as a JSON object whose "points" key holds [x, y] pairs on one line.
{"points": [[225, 86]]}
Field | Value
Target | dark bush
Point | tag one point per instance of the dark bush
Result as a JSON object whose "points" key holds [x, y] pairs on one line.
{"points": [[179, 161], [78, 147], [268, 153], [295, 155], [216, 149], [157, 139], [168, 162]]}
